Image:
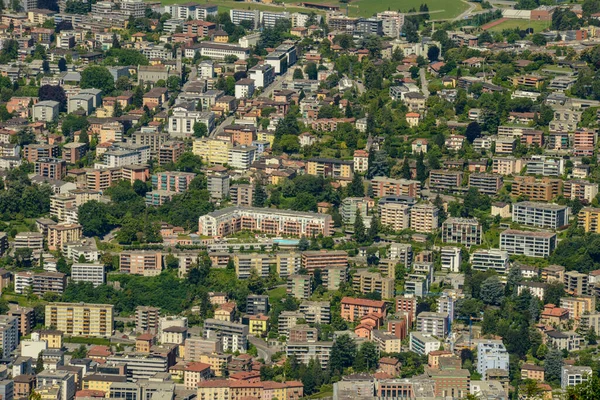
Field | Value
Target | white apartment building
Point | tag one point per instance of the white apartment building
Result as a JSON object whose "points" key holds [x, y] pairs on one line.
{"points": [[181, 122], [9, 335], [423, 344], [241, 157], [540, 215], [491, 354], [451, 258], [93, 273], [433, 323], [483, 260], [532, 244]]}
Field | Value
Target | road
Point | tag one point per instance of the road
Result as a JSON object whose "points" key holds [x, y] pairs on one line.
{"points": [[424, 83], [264, 351], [276, 85], [222, 125], [466, 13]]}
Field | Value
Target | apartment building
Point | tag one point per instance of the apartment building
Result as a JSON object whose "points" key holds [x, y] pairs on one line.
{"points": [[173, 181], [241, 194], [141, 262], [451, 258], [305, 351], [44, 282], [532, 244], [287, 320], [60, 204], [276, 222], [401, 253], [25, 319], [369, 282], [330, 168], [9, 335], [424, 218], [59, 234], [384, 186], [486, 183], [540, 215], [299, 286], [181, 123], [81, 319], [494, 259], [147, 319], [288, 263], [322, 259], [445, 179], [33, 152], [507, 165], [233, 336], [353, 309], [316, 312], [545, 166], [578, 306], [394, 215], [245, 264], [544, 189], [423, 344], [589, 219], [584, 142], [572, 375], [257, 304], [334, 276], [491, 354], [51, 168], [466, 231], [92, 273], [31, 240], [433, 323], [576, 283], [579, 189], [212, 151], [349, 207]]}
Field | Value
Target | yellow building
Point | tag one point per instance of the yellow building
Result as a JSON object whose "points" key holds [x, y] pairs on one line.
{"points": [[218, 362], [101, 382], [54, 338], [81, 318], [589, 219], [330, 168], [212, 151], [266, 136], [258, 325], [60, 234]]}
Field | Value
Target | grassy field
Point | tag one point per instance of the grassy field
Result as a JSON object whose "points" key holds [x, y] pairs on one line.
{"points": [[537, 26], [275, 295], [356, 8]]}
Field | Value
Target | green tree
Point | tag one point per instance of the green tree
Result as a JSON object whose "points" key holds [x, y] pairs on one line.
{"points": [[492, 291], [367, 357], [356, 188], [259, 197], [553, 365], [359, 229], [303, 244], [39, 365], [95, 218], [298, 74], [98, 77], [200, 129], [343, 354], [80, 352]]}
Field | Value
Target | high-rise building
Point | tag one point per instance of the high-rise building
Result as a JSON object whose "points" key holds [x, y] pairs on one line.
{"points": [[81, 318]]}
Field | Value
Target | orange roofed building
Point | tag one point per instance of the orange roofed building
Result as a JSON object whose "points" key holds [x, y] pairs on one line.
{"points": [[229, 389], [555, 316], [354, 309]]}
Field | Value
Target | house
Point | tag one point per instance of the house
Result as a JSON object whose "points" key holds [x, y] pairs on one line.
{"points": [[413, 119], [155, 97], [554, 316]]}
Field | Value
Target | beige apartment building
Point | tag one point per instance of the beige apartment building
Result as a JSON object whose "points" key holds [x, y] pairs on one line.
{"points": [[589, 219], [369, 282], [395, 215], [80, 319], [212, 151], [544, 189], [507, 165], [144, 262], [60, 234], [312, 260], [424, 218]]}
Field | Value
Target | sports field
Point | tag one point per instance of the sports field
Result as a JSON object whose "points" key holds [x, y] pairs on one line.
{"points": [[522, 24], [356, 8]]}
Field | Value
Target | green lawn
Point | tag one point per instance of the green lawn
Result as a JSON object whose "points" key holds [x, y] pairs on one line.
{"points": [[276, 295], [537, 26], [357, 8]]}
